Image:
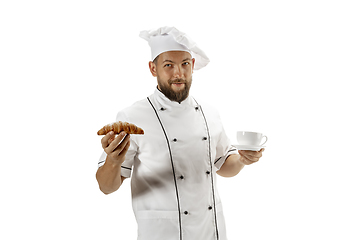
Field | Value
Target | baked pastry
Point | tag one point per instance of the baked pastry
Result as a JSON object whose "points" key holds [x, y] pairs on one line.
{"points": [[117, 127]]}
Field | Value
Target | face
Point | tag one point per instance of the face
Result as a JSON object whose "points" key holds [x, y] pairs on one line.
{"points": [[173, 70]]}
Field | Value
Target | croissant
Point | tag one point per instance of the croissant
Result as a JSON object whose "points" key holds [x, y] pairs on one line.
{"points": [[117, 127]]}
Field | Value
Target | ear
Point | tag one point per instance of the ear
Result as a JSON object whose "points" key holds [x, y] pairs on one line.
{"points": [[152, 67], [193, 65]]}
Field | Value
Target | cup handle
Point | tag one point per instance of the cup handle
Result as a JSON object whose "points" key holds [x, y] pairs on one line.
{"points": [[265, 140]]}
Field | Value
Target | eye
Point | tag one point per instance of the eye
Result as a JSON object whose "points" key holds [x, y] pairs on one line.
{"points": [[186, 63], [167, 65]]}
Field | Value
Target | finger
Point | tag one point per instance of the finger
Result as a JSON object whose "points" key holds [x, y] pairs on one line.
{"points": [[250, 157], [121, 147], [124, 151], [105, 140], [111, 139], [113, 145], [249, 153], [246, 161]]}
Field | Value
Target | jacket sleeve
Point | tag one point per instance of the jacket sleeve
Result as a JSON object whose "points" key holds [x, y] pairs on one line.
{"points": [[223, 144], [223, 149]]}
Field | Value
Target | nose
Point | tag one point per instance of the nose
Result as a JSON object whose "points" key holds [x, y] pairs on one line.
{"points": [[178, 72]]}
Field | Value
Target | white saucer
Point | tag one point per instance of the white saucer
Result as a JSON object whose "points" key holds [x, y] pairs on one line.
{"points": [[249, 147]]}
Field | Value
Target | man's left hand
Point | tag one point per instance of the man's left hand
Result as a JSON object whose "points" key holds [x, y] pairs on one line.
{"points": [[248, 157]]}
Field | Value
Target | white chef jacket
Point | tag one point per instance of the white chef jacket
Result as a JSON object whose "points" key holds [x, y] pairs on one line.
{"points": [[173, 168]]}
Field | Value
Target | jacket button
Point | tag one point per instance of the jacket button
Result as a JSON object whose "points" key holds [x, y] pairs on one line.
{"points": [[162, 109], [207, 172], [204, 138], [186, 212], [210, 207], [174, 139], [196, 108], [181, 177]]}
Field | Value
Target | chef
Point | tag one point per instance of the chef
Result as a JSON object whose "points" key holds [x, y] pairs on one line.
{"points": [[174, 165]]}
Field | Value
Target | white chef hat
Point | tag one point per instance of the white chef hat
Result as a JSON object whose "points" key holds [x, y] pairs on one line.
{"points": [[167, 39]]}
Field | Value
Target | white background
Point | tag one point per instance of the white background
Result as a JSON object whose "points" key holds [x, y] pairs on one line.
{"points": [[289, 69]]}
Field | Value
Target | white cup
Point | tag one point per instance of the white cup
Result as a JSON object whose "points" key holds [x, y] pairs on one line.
{"points": [[250, 138]]}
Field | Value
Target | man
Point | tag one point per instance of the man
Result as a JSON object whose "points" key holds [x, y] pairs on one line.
{"points": [[173, 166]]}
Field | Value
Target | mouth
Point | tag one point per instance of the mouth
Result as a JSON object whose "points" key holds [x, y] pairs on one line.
{"points": [[178, 86]]}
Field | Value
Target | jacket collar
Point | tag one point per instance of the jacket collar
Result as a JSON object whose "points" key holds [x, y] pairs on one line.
{"points": [[163, 103]]}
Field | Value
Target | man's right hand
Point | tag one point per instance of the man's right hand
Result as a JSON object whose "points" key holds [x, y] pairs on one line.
{"points": [[116, 146]]}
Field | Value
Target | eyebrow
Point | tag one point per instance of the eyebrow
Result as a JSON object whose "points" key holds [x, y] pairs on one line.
{"points": [[186, 59]]}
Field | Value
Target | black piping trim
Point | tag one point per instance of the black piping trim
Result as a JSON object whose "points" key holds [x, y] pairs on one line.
{"points": [[211, 172], [232, 150], [101, 162], [172, 165], [126, 167], [217, 160]]}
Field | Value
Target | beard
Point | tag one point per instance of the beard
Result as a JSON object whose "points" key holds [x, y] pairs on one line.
{"points": [[177, 96]]}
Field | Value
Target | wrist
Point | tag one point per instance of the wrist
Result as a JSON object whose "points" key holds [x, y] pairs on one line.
{"points": [[113, 163], [241, 162]]}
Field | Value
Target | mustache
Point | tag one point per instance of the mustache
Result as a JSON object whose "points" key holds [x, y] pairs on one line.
{"points": [[178, 80]]}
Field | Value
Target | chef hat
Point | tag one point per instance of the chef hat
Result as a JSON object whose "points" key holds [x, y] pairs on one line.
{"points": [[167, 39]]}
